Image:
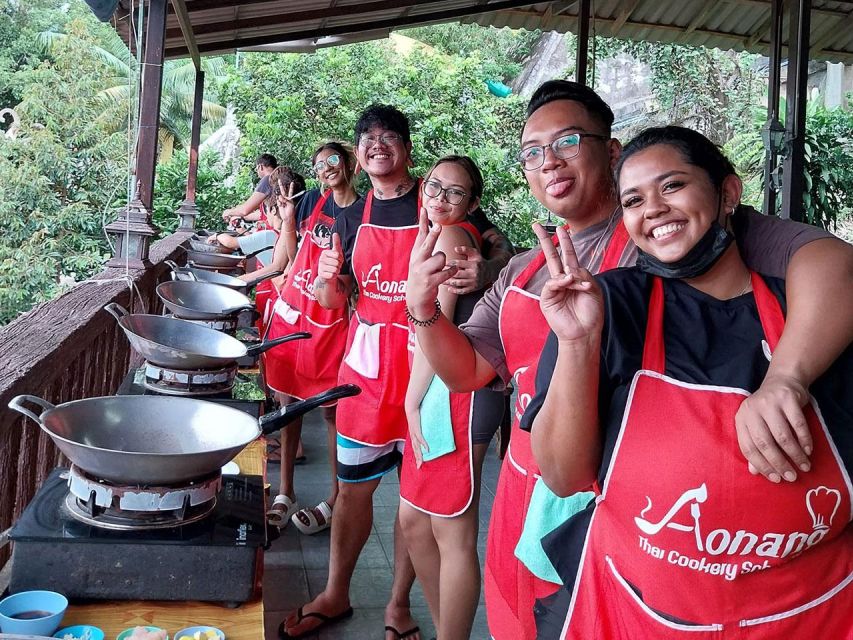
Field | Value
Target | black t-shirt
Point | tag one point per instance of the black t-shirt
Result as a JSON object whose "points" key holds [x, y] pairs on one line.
{"points": [[707, 341], [396, 212], [307, 203]]}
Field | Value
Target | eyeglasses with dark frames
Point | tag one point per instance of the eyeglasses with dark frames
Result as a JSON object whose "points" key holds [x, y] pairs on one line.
{"points": [[433, 189], [565, 147], [388, 139]]}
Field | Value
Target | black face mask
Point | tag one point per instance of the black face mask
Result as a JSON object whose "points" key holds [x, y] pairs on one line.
{"points": [[698, 260]]}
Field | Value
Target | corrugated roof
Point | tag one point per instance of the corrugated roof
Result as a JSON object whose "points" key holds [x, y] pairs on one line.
{"points": [[226, 25]]}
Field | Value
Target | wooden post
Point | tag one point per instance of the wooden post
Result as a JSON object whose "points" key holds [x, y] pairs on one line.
{"points": [[188, 209], [795, 114], [582, 61], [149, 116], [773, 79]]}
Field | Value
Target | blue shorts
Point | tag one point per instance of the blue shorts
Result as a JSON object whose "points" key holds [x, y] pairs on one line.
{"points": [[361, 462]]}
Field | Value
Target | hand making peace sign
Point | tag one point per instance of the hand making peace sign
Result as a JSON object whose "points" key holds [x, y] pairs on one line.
{"points": [[571, 299], [427, 270]]}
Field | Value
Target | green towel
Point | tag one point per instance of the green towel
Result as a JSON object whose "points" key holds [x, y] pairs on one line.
{"points": [[546, 512], [436, 425]]}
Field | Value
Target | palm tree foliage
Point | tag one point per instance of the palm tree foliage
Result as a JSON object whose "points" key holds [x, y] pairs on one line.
{"points": [[118, 95]]}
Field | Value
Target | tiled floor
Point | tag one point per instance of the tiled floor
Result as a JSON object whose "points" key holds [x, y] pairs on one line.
{"points": [[296, 565]]}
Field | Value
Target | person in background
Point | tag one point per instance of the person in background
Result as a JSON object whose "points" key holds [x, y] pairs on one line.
{"points": [[637, 391], [250, 209], [567, 154], [448, 433], [303, 368]]}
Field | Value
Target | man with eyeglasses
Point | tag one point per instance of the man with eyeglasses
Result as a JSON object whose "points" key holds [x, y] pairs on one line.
{"points": [[371, 243], [567, 155]]}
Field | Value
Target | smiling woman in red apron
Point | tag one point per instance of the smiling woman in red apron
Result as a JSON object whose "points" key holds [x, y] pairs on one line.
{"points": [[568, 158], [448, 433], [637, 391], [300, 371]]}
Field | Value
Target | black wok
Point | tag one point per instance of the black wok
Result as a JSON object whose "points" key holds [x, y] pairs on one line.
{"points": [[203, 275], [202, 300], [158, 440], [179, 344]]}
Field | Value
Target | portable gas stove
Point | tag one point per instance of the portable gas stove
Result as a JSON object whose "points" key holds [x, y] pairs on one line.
{"points": [[91, 539]]}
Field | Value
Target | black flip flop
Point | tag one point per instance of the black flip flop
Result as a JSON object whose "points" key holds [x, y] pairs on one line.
{"points": [[325, 621], [405, 634]]}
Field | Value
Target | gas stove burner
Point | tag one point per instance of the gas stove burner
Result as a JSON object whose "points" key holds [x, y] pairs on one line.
{"points": [[179, 382], [126, 508], [226, 325]]}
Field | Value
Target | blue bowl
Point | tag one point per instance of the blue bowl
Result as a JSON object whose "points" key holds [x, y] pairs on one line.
{"points": [[50, 604], [189, 631], [79, 630]]}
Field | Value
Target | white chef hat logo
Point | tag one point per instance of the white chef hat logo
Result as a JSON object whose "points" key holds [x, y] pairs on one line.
{"points": [[822, 504]]}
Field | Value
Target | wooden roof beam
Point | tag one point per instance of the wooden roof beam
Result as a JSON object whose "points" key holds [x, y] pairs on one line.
{"points": [[830, 34], [699, 18], [298, 16], [313, 33], [183, 17], [623, 17]]}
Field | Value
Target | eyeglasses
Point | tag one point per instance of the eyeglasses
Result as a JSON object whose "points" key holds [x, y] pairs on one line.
{"points": [[565, 147], [388, 139], [434, 189], [332, 161]]}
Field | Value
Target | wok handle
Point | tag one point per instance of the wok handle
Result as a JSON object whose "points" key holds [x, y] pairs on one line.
{"points": [[17, 404], [172, 265], [255, 282], [115, 310], [232, 310], [258, 349], [257, 251], [272, 422]]}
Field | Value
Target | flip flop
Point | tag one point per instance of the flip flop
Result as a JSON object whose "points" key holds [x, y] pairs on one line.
{"points": [[314, 525], [325, 621], [405, 634], [279, 517]]}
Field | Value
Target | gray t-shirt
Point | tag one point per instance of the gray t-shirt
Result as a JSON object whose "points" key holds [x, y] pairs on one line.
{"points": [[264, 187], [767, 245]]}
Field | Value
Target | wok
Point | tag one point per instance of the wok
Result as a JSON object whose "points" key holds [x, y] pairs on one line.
{"points": [[158, 440], [204, 247], [190, 273], [202, 300], [221, 260], [180, 344]]}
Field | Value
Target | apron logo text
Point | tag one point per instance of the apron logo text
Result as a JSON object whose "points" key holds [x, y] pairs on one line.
{"points": [[374, 287], [821, 503]]}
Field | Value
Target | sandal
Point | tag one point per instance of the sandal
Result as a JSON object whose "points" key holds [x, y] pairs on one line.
{"points": [[314, 525], [278, 517]]}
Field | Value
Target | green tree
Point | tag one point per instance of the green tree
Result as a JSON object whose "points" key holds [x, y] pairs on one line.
{"points": [[61, 176]]}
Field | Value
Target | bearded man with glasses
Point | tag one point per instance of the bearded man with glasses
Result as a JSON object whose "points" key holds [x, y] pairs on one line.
{"points": [[567, 157]]}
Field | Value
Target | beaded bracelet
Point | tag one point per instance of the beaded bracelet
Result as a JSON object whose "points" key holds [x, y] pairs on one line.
{"points": [[424, 323]]}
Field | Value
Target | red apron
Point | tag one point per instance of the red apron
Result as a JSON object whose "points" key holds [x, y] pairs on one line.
{"points": [[304, 368], [265, 292], [376, 354], [715, 551], [443, 486], [510, 588]]}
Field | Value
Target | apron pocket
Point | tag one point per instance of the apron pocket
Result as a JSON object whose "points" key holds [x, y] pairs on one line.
{"points": [[628, 606], [286, 312], [546, 512], [363, 356], [436, 423]]}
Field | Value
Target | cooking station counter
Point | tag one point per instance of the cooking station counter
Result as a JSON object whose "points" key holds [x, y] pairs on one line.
{"points": [[245, 622]]}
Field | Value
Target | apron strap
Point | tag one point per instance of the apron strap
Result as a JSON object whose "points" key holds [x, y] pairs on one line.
{"points": [[318, 207], [615, 247], [769, 313]]}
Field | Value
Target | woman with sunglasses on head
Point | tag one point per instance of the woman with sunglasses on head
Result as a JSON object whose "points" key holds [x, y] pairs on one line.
{"points": [[448, 433], [303, 368], [638, 387]]}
